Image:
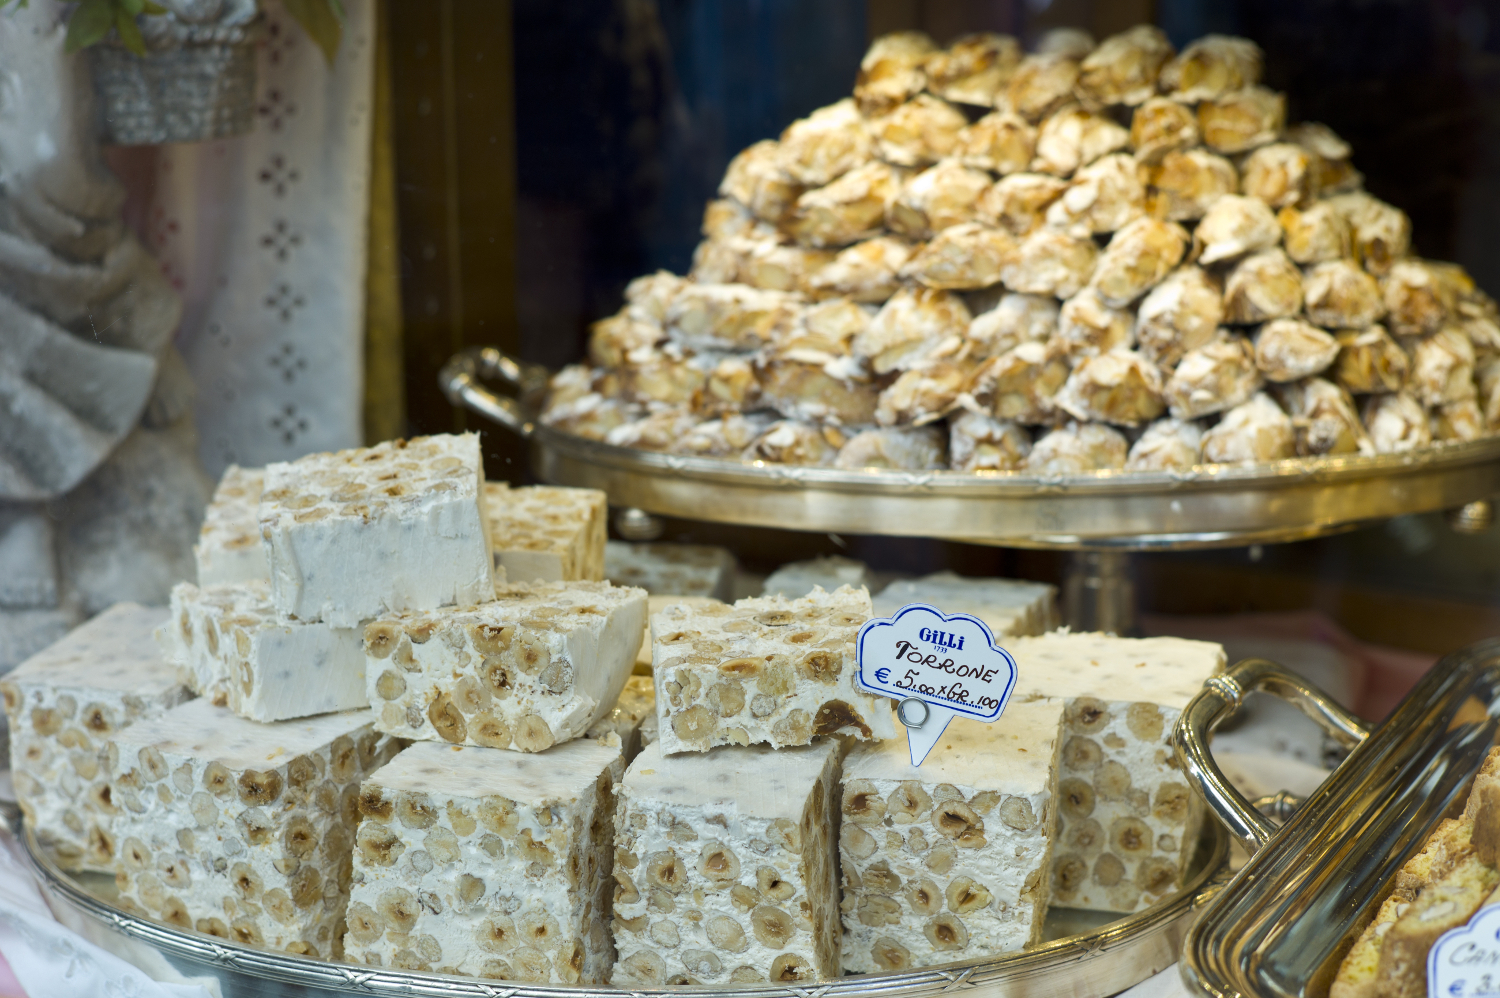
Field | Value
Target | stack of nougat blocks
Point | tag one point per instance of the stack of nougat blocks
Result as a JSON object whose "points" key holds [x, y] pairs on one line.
{"points": [[328, 585], [776, 831], [722, 833], [394, 760]]}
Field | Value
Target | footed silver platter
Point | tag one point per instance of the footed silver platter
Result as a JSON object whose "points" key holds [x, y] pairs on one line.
{"points": [[1078, 961], [1209, 506]]}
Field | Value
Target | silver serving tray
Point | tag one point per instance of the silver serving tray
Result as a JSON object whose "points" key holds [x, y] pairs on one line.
{"points": [[1208, 506], [1085, 960], [1284, 923]]}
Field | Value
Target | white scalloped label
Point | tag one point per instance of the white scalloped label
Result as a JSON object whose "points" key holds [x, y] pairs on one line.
{"points": [[1465, 962], [948, 662]]}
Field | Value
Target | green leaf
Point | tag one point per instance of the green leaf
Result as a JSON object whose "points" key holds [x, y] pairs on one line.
{"points": [[132, 7], [89, 24], [323, 20], [147, 7], [130, 32]]}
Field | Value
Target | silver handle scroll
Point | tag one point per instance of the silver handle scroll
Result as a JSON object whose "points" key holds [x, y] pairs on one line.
{"points": [[1220, 697], [462, 380]]}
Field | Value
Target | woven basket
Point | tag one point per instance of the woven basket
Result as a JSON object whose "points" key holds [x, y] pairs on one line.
{"points": [[189, 92]]}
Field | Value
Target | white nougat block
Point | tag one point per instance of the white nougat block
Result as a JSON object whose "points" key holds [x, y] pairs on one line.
{"points": [[534, 667], [766, 669], [726, 867], [230, 646], [671, 569], [64, 705], [396, 527], [486, 863], [950, 860], [544, 533], [637, 704], [828, 571], [1127, 823], [229, 547], [1010, 607], [242, 830]]}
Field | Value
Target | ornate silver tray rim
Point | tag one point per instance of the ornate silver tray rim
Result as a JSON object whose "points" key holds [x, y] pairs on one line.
{"points": [[461, 376], [1206, 506], [1083, 957]]}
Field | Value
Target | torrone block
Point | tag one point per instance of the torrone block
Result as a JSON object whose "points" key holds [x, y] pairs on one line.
{"points": [[1010, 607], [767, 669], [543, 533], [637, 703], [65, 703], [799, 577], [950, 861], [229, 547], [487, 863], [533, 668], [357, 533], [725, 865], [1127, 823], [243, 830], [230, 646], [671, 569]]}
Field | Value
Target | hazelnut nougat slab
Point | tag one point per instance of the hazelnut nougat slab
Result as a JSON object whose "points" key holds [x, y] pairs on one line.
{"points": [[1010, 607], [229, 547], [950, 860], [487, 863], [230, 646], [242, 830], [726, 867], [534, 667], [399, 526], [767, 669], [1128, 824], [544, 533], [65, 703]]}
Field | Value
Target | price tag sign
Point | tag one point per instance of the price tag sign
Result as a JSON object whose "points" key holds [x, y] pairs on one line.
{"points": [[937, 666], [1465, 962]]}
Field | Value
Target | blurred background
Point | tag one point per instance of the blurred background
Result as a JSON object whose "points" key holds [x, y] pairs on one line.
{"points": [[544, 154]]}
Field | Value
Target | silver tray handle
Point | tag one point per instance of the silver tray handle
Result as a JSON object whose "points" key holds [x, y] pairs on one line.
{"points": [[1220, 697], [461, 380]]}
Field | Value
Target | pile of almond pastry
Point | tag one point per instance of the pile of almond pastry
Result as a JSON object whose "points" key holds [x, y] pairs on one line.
{"points": [[1082, 258]]}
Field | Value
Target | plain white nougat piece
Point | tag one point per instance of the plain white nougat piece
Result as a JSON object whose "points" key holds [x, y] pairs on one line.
{"points": [[242, 830], [671, 569], [545, 533], [1010, 607], [229, 547], [230, 646], [726, 867], [767, 669], [798, 578], [485, 863], [534, 667], [353, 534], [64, 705], [1128, 824], [951, 860]]}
